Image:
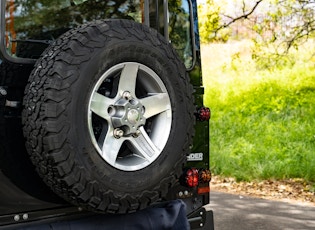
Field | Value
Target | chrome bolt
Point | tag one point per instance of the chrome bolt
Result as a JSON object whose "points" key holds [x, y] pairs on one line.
{"points": [[16, 217], [3, 92], [137, 133], [118, 133], [127, 95], [25, 216]]}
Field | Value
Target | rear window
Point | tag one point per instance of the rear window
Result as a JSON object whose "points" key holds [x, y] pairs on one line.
{"points": [[32, 24]]}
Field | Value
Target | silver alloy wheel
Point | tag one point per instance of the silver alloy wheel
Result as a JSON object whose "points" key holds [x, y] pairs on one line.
{"points": [[129, 116]]}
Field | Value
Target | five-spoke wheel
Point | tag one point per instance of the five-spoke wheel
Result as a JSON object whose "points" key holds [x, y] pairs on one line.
{"points": [[129, 116]]}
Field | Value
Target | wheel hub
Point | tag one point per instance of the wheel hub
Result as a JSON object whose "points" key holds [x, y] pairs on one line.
{"points": [[127, 115]]}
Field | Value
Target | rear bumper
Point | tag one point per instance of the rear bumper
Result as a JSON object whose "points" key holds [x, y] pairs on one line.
{"points": [[168, 215], [171, 215]]}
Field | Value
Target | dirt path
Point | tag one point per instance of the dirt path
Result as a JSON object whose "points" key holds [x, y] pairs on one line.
{"points": [[292, 190]]}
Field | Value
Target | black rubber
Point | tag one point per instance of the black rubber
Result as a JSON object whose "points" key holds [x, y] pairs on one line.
{"points": [[55, 116]]}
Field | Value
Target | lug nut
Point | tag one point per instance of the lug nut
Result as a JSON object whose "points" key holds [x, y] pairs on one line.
{"points": [[137, 133], [118, 133], [127, 95], [111, 110]]}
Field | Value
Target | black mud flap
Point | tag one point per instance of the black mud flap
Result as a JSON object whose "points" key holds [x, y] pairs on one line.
{"points": [[201, 220]]}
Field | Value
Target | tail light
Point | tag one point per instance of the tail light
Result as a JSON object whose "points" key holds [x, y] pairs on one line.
{"points": [[192, 177], [203, 114], [204, 176], [195, 179]]}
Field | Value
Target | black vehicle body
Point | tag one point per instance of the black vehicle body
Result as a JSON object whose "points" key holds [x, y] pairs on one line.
{"points": [[24, 198]]}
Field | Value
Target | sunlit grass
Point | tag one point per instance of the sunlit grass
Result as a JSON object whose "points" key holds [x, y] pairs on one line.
{"points": [[263, 121]]}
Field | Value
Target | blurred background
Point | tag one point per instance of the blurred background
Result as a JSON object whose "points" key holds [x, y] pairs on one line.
{"points": [[258, 60]]}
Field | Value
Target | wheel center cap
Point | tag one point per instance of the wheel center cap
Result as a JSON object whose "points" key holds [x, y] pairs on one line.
{"points": [[133, 116], [127, 115]]}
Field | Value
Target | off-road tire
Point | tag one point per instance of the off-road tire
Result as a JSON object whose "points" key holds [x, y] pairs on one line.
{"points": [[59, 123]]}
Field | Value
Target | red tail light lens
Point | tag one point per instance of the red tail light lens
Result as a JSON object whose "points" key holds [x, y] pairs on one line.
{"points": [[203, 114], [192, 177]]}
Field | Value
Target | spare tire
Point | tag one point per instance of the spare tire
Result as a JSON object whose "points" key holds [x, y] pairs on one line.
{"points": [[109, 116]]}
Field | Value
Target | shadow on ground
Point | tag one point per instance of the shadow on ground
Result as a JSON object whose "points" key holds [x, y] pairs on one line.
{"points": [[246, 213]]}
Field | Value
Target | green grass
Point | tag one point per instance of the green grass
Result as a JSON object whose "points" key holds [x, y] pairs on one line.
{"points": [[263, 121]]}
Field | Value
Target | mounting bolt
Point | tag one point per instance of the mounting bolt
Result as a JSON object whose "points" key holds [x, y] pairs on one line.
{"points": [[118, 133], [3, 92], [25, 216], [16, 217]]}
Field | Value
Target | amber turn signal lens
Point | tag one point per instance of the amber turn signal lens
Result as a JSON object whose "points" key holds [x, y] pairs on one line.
{"points": [[204, 176]]}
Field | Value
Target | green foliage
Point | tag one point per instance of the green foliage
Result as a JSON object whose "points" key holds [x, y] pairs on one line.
{"points": [[263, 120], [209, 22], [284, 27], [276, 26]]}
